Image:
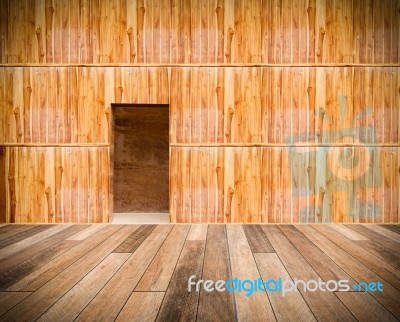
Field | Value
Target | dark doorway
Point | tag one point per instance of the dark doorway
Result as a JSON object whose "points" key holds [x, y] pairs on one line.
{"points": [[141, 158]]}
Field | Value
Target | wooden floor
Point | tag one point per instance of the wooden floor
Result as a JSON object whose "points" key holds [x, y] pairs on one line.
{"points": [[140, 272]]}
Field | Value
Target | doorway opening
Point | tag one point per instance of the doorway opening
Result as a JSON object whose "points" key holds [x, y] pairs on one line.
{"points": [[140, 158]]}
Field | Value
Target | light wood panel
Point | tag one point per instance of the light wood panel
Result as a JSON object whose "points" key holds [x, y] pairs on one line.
{"points": [[208, 105], [274, 184], [57, 184], [223, 31], [249, 143]]}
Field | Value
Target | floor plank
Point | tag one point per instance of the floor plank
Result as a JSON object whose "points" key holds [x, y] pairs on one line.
{"points": [[364, 307], [35, 305], [159, 273], [380, 251], [198, 232], [20, 270], [141, 306], [325, 305], [41, 276], [10, 299], [216, 306], [394, 228], [257, 240], [11, 233], [73, 272], [87, 232], [377, 238], [320, 262], [178, 303], [109, 301], [14, 239], [257, 306], [347, 232], [49, 238], [390, 298], [75, 300], [135, 240], [385, 232], [291, 306]]}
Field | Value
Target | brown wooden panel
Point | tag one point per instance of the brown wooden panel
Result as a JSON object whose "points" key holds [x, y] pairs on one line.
{"points": [[48, 184]]}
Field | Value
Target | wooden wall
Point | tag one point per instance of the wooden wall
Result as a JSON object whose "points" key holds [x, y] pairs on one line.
{"points": [[259, 91]]}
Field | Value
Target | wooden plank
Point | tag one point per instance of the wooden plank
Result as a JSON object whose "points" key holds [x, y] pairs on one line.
{"points": [[158, 274], [361, 265], [87, 232], [347, 232], [41, 245], [380, 251], [291, 306], [257, 240], [364, 307], [28, 242], [41, 276], [385, 232], [378, 238], [24, 268], [256, 307], [394, 228], [32, 230], [45, 297], [110, 300], [198, 232], [75, 300], [3, 178], [321, 263], [141, 306], [17, 229], [324, 305], [135, 240], [178, 303], [218, 306], [10, 299]]}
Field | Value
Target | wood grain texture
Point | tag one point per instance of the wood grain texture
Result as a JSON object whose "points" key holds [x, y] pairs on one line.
{"points": [[179, 304], [135, 239], [85, 280], [321, 304], [110, 300], [257, 240], [141, 306], [292, 305], [353, 267], [256, 307], [364, 307], [159, 272], [216, 305], [63, 63], [42, 275], [147, 32]]}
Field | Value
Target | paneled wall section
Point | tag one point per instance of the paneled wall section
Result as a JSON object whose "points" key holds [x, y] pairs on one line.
{"points": [[267, 123]]}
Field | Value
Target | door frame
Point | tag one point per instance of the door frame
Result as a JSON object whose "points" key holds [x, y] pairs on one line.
{"points": [[111, 155]]}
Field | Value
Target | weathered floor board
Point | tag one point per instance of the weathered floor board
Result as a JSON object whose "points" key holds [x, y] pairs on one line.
{"points": [[140, 273]]}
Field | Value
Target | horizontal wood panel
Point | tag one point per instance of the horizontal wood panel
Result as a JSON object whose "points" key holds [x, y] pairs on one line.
{"points": [[211, 31], [275, 185], [72, 105], [55, 185]]}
